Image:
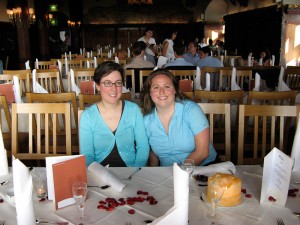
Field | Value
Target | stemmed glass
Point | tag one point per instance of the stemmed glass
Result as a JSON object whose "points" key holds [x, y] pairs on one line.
{"points": [[188, 165], [79, 190], [216, 193]]}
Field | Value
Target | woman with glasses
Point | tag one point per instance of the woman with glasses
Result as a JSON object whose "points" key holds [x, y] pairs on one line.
{"points": [[112, 131], [177, 128]]}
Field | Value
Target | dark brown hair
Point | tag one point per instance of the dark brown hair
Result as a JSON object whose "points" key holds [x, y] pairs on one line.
{"points": [[106, 68], [146, 100]]}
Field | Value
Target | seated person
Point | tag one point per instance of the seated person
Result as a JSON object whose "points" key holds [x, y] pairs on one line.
{"points": [[265, 56], [207, 60], [138, 61], [192, 56], [112, 131], [179, 58], [177, 128]]}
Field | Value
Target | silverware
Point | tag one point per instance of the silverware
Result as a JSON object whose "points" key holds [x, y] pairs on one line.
{"points": [[3, 183], [51, 222], [101, 187], [297, 213], [280, 221], [130, 177]]}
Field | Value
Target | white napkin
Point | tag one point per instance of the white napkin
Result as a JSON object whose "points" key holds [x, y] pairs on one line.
{"points": [[18, 98], [91, 54], [178, 214], [222, 60], [117, 60], [88, 65], [114, 50], [155, 68], [88, 55], [257, 83], [27, 66], [36, 63], [198, 79], [207, 82], [23, 189], [224, 167], [260, 61], [232, 61], [161, 61], [296, 149], [128, 52], [234, 85], [125, 90], [273, 60], [36, 87], [65, 55], [104, 176], [281, 84], [211, 53], [95, 62], [80, 50], [66, 66], [249, 60], [74, 87], [70, 55], [3, 157], [59, 67]]}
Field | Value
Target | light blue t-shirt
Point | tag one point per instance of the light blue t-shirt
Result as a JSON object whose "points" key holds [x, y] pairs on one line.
{"points": [[187, 121], [209, 62]]}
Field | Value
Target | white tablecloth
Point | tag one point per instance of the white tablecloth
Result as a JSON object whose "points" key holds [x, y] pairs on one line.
{"points": [[159, 183]]}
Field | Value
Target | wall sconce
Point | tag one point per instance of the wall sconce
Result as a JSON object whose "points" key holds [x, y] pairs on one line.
{"points": [[74, 24], [16, 17]]}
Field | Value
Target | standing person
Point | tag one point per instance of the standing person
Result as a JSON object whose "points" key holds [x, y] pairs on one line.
{"points": [[151, 48], [167, 49], [192, 56], [177, 128], [112, 130], [67, 42]]}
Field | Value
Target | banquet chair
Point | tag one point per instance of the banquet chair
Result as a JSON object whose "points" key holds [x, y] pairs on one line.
{"points": [[243, 77], [272, 98], [73, 56], [220, 137], [45, 65], [6, 112], [233, 97], [189, 74], [129, 73], [214, 77], [81, 74], [50, 80], [41, 144], [261, 128], [143, 74], [24, 78], [292, 77]]}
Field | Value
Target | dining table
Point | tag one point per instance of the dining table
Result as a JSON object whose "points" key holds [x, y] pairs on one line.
{"points": [[157, 183]]}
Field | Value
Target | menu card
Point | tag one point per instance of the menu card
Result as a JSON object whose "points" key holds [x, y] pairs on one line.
{"points": [[276, 178]]}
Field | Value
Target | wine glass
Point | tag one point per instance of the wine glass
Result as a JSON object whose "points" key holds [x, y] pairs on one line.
{"points": [[79, 190], [216, 193], [188, 165]]}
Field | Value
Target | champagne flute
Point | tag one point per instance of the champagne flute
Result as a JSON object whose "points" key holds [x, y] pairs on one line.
{"points": [[188, 165], [79, 190], [216, 193]]}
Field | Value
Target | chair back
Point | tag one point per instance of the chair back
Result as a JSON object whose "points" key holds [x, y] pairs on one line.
{"points": [[272, 98], [42, 143], [5, 122], [214, 76], [50, 80], [243, 78], [24, 78], [143, 75], [219, 96], [292, 77], [45, 65], [261, 128], [81, 74], [130, 73], [220, 137]]}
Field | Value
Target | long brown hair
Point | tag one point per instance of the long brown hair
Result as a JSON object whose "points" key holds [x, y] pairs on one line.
{"points": [[146, 100]]}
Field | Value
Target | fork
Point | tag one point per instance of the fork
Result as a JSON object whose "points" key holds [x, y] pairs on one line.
{"points": [[130, 177], [280, 221]]}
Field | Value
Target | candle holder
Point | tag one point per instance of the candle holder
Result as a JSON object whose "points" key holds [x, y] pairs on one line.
{"points": [[40, 187]]}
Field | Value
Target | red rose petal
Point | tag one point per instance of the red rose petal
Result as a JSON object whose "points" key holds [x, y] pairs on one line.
{"points": [[101, 207], [243, 191], [248, 196], [111, 208], [145, 193], [272, 199], [42, 199], [1, 200], [102, 202], [139, 192], [131, 211]]}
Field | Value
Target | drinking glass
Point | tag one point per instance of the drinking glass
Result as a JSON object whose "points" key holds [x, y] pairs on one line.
{"points": [[79, 190], [216, 193], [188, 165]]}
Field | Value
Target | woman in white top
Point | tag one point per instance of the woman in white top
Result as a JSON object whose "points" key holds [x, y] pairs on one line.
{"points": [[167, 49]]}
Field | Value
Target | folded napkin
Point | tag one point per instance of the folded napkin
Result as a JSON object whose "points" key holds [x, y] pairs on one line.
{"points": [[88, 55], [207, 82], [117, 60], [222, 60], [249, 60], [95, 62], [103, 176], [80, 50], [91, 54], [224, 167], [260, 61], [281, 84], [36, 87], [296, 149], [66, 66], [27, 66], [125, 90], [36, 63], [18, 98], [234, 85], [273, 60], [88, 65], [70, 55], [145, 58], [178, 214], [23, 189], [128, 52], [3, 157], [232, 62], [257, 83], [155, 68], [161, 61], [198, 79], [59, 67], [74, 87]]}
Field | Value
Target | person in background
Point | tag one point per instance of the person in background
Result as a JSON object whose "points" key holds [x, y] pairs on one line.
{"points": [[67, 42], [151, 48], [167, 49], [177, 128], [192, 56], [138, 61], [112, 131], [179, 58], [265, 55], [202, 43], [206, 59]]}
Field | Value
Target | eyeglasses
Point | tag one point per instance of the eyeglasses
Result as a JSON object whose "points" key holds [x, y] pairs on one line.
{"points": [[108, 83]]}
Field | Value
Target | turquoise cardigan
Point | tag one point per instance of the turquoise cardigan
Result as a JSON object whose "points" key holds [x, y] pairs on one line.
{"points": [[97, 140]]}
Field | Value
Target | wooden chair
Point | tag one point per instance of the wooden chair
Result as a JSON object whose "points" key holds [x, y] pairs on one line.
{"points": [[214, 77], [185, 74], [243, 77], [5, 108], [45, 65], [272, 98], [50, 80], [220, 137], [219, 96], [130, 73], [45, 116], [143, 74], [81, 74], [73, 56], [24, 78], [292, 77], [261, 128]]}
